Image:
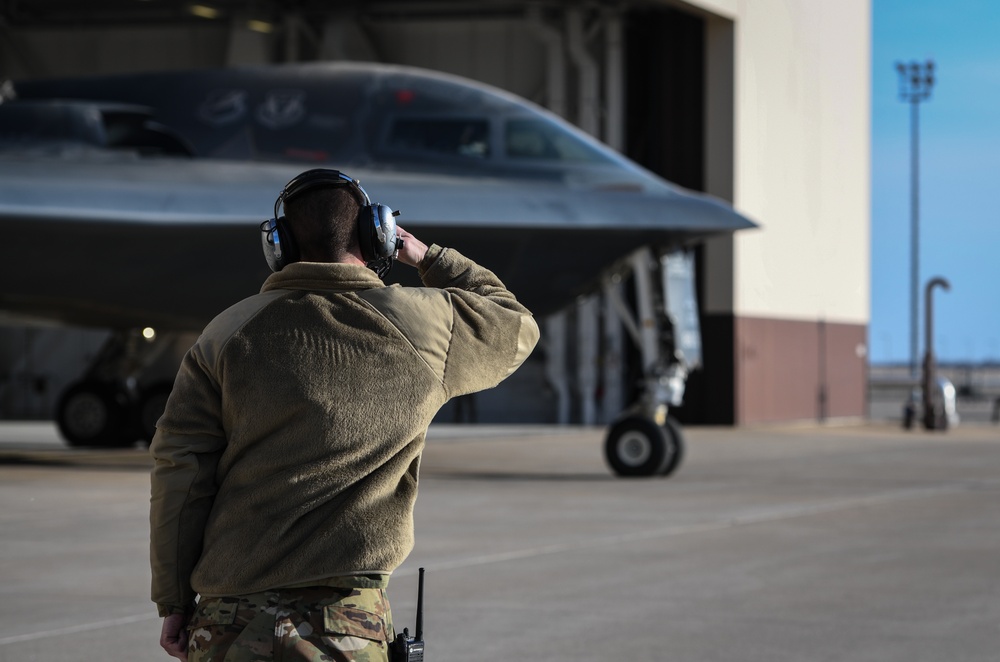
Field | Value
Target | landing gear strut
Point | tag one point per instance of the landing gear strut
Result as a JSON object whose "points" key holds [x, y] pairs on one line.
{"points": [[645, 441]]}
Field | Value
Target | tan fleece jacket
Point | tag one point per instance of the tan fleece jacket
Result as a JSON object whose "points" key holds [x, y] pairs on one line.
{"points": [[289, 448]]}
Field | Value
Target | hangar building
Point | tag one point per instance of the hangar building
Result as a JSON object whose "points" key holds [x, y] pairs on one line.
{"points": [[764, 104]]}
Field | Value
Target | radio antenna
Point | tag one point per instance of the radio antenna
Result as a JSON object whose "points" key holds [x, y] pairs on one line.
{"points": [[420, 606]]}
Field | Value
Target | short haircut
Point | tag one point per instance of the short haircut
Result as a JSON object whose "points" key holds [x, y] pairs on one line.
{"points": [[324, 222]]}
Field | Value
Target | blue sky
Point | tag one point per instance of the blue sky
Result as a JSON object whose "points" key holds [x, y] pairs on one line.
{"points": [[959, 177]]}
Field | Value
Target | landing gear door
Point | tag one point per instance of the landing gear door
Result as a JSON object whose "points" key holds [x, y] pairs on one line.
{"points": [[682, 306]]}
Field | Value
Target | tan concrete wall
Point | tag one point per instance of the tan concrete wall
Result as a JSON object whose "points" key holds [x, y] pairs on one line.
{"points": [[801, 164]]}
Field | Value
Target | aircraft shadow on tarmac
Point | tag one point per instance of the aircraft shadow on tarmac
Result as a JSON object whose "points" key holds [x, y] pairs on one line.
{"points": [[121, 460]]}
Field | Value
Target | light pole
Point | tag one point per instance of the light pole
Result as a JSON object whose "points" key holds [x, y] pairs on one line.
{"points": [[915, 83]]}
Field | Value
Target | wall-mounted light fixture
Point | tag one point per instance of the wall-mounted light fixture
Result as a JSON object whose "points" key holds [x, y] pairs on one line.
{"points": [[204, 11], [257, 25]]}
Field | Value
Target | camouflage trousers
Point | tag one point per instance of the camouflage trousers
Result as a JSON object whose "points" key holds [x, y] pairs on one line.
{"points": [[306, 625]]}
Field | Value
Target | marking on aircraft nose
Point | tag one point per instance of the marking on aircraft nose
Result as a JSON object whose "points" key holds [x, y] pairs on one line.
{"points": [[282, 108], [223, 107]]}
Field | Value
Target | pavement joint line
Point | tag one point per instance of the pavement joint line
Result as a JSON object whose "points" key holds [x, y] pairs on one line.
{"points": [[769, 515], [74, 629]]}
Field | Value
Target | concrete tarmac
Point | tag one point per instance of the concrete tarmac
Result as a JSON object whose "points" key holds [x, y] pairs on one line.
{"points": [[862, 543]]}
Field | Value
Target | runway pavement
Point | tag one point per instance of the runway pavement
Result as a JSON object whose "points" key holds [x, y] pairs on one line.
{"points": [[770, 544]]}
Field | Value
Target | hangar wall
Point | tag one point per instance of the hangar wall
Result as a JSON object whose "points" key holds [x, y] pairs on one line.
{"points": [[803, 166], [794, 296]]}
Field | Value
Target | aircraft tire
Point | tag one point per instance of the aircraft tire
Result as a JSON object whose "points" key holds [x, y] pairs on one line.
{"points": [[89, 413], [150, 407], [636, 446], [673, 430]]}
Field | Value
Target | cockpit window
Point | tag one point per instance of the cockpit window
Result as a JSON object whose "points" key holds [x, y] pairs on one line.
{"points": [[468, 138], [29, 122], [105, 126], [540, 140]]}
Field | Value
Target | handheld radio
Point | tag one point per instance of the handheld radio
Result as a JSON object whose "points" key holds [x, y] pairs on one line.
{"points": [[405, 649]]}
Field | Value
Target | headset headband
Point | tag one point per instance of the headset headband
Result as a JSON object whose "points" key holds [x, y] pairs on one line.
{"points": [[317, 178]]}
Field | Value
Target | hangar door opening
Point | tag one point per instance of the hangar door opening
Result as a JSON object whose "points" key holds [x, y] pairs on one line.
{"points": [[665, 131], [665, 71]]}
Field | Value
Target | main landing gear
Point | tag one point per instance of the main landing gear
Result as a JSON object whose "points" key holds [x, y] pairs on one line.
{"points": [[109, 406], [109, 414]]}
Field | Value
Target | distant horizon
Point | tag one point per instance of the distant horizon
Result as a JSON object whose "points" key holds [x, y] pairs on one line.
{"points": [[957, 363]]}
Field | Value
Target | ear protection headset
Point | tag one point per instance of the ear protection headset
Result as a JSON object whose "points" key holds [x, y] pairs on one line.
{"points": [[376, 223]]}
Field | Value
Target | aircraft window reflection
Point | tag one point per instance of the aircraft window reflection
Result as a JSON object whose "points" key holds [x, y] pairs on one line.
{"points": [[537, 139], [452, 137]]}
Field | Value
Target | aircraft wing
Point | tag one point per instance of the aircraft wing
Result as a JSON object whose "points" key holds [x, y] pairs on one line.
{"points": [[106, 240], [548, 243]]}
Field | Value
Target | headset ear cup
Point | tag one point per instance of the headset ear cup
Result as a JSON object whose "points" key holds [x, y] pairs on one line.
{"points": [[267, 230], [278, 244], [375, 220], [290, 250], [385, 246]]}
